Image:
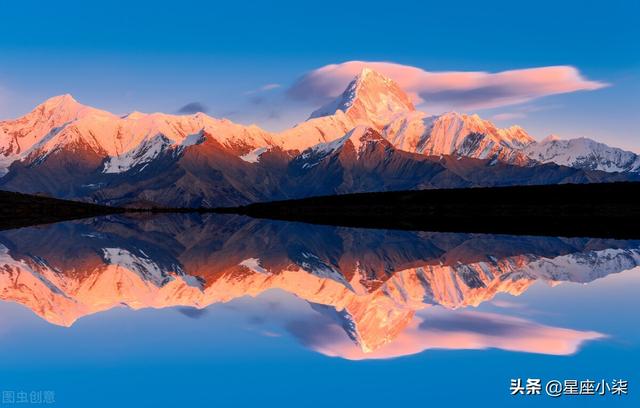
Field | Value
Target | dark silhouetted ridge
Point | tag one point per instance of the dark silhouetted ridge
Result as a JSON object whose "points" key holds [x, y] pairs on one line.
{"points": [[20, 210], [606, 209]]}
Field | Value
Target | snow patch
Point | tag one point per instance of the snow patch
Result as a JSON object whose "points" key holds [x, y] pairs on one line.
{"points": [[146, 152], [194, 139], [254, 155], [254, 265], [141, 265]]}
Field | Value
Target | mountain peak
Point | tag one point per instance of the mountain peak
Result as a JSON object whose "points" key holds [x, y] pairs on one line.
{"points": [[370, 98], [365, 71], [64, 101], [135, 115], [66, 97], [368, 76], [62, 109]]}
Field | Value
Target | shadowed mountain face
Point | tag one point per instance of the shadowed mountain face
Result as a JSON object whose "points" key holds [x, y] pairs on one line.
{"points": [[371, 283]]}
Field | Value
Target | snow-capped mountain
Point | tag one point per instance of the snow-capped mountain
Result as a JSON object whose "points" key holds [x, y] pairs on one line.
{"points": [[583, 153], [457, 134], [374, 100], [371, 98], [18, 137], [69, 150], [125, 142]]}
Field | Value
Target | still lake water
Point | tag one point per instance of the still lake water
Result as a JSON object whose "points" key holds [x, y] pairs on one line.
{"points": [[228, 311]]}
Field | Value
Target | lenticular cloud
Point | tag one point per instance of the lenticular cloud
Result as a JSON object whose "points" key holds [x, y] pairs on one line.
{"points": [[450, 89]]}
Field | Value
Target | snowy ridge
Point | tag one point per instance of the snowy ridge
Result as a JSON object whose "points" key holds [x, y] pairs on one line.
{"points": [[584, 154], [125, 142], [359, 137], [144, 153], [456, 134], [314, 131], [583, 267], [156, 133]]}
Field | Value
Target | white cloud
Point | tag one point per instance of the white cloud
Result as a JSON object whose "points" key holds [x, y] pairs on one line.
{"points": [[451, 89]]}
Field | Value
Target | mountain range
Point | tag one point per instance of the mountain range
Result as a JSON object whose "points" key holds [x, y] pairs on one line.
{"points": [[370, 138]]}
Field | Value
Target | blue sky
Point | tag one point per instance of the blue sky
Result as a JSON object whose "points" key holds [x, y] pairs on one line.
{"points": [[160, 56]]}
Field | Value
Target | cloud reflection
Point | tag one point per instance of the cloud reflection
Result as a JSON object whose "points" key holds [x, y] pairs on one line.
{"points": [[451, 330]]}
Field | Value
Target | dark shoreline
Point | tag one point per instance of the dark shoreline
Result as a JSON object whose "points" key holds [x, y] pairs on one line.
{"points": [[587, 210], [19, 210], [606, 210]]}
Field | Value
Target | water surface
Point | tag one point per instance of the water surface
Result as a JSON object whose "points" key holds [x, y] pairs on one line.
{"points": [[190, 310]]}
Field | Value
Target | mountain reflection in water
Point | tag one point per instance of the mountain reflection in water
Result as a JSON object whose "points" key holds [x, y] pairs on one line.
{"points": [[373, 289]]}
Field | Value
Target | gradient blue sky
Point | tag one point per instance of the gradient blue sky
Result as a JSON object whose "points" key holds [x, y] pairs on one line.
{"points": [[159, 56]]}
